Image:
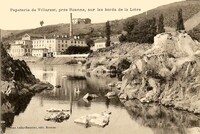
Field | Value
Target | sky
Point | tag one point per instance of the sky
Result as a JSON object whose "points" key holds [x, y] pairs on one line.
{"points": [[11, 20]]}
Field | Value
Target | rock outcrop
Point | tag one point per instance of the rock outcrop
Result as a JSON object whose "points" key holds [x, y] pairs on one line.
{"points": [[168, 73], [119, 56], [18, 85]]}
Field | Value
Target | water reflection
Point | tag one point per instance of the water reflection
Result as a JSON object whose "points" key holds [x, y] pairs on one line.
{"points": [[10, 108], [72, 84], [162, 120]]}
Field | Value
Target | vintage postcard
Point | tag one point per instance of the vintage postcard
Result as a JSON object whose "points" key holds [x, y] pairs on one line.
{"points": [[100, 67]]}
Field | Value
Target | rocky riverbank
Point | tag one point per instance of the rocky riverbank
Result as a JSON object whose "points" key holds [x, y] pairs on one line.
{"points": [[18, 85], [168, 72]]}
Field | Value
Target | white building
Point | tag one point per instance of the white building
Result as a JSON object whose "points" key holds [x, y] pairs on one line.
{"points": [[54, 46], [21, 47], [40, 52], [99, 43], [26, 37]]}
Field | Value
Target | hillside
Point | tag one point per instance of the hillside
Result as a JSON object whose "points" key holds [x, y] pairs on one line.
{"points": [[190, 8], [96, 29]]}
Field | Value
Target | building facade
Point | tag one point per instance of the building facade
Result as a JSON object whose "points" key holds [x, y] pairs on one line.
{"points": [[26, 37], [21, 47], [54, 46], [40, 52], [81, 21], [99, 44]]}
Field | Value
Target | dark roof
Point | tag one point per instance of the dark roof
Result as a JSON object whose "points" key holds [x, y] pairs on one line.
{"points": [[100, 40]]}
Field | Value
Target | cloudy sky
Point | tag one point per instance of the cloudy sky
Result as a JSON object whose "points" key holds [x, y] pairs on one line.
{"points": [[11, 20]]}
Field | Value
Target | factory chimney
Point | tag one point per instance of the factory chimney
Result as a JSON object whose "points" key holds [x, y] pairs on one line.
{"points": [[0, 35], [71, 26]]}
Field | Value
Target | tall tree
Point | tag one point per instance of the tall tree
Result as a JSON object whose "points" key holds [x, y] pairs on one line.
{"points": [[41, 23], [108, 32], [144, 32], [180, 25], [129, 25], [89, 41], [161, 24]]}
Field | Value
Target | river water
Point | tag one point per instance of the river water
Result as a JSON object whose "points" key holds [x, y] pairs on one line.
{"points": [[127, 118]]}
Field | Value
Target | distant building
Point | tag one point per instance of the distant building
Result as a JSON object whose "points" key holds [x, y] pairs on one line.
{"points": [[98, 44], [40, 52], [21, 47], [81, 21], [26, 37], [54, 46]]}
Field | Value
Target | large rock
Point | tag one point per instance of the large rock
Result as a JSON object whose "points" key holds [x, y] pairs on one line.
{"points": [[56, 116], [167, 73], [40, 86], [100, 120], [18, 85]]}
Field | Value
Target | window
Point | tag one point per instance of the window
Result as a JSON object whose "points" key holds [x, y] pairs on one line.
{"points": [[71, 41]]}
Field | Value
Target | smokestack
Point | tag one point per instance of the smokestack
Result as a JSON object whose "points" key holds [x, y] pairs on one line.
{"points": [[71, 26], [0, 35]]}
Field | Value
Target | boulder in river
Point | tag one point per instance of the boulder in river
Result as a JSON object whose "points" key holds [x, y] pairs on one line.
{"points": [[110, 94], [90, 96], [100, 120], [59, 116]]}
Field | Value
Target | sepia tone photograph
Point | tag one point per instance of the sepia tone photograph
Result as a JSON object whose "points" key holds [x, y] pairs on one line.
{"points": [[100, 67]]}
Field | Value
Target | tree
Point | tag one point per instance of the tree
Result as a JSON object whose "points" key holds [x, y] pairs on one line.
{"points": [[108, 32], [41, 23], [87, 21], [6, 45], [122, 38], [180, 25], [89, 41], [161, 24], [144, 32], [129, 25]]}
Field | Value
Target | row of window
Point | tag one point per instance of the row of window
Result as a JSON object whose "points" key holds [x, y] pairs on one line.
{"points": [[61, 41], [38, 51], [100, 45], [17, 50], [45, 46], [37, 54], [43, 41]]}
